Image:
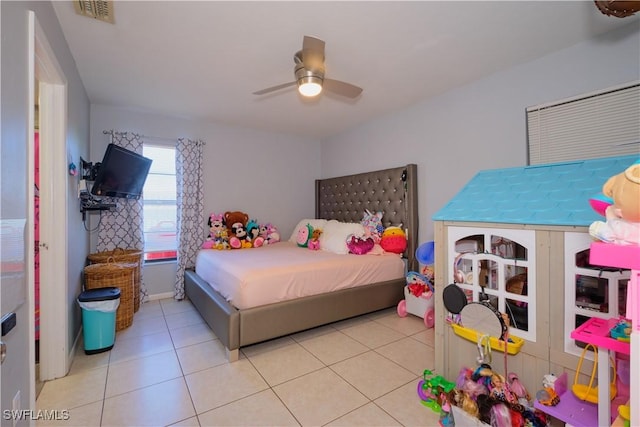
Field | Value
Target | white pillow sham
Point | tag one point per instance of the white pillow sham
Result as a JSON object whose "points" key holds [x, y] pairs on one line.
{"points": [[315, 223], [334, 235]]}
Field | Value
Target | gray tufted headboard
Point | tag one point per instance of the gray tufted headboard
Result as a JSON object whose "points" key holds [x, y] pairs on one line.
{"points": [[392, 191]]}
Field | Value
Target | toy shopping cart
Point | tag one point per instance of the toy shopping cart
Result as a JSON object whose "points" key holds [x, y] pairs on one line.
{"points": [[418, 299]]}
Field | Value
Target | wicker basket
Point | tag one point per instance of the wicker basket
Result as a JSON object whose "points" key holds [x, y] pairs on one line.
{"points": [[126, 256], [119, 275]]}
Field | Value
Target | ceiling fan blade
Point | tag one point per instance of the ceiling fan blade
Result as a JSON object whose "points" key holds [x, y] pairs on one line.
{"points": [[312, 52], [342, 88], [313, 44], [273, 88]]}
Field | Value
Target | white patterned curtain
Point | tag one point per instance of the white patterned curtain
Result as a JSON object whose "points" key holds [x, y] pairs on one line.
{"points": [[189, 200], [122, 227]]}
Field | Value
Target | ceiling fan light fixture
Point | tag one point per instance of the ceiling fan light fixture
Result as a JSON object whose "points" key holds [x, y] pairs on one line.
{"points": [[309, 73], [310, 86]]}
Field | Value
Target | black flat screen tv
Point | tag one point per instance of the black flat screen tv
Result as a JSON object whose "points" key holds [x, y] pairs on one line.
{"points": [[122, 173]]}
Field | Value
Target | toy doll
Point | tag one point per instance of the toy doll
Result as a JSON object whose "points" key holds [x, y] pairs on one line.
{"points": [[500, 390]]}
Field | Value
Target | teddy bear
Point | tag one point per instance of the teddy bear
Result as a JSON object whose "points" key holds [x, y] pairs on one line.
{"points": [[314, 240], [236, 222], [622, 225]]}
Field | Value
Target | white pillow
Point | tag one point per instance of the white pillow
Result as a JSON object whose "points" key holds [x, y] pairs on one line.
{"points": [[334, 235], [315, 223]]}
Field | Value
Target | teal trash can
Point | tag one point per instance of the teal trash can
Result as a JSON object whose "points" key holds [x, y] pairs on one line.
{"points": [[99, 318]]}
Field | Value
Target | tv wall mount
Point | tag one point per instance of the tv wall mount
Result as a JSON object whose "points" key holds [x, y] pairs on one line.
{"points": [[88, 203]]}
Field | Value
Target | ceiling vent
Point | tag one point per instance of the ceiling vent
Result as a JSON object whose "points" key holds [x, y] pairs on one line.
{"points": [[102, 10]]}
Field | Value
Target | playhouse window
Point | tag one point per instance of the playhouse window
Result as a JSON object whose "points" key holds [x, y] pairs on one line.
{"points": [[590, 290], [499, 266]]}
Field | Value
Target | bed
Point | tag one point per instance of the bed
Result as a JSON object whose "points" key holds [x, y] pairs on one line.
{"points": [[392, 191]]}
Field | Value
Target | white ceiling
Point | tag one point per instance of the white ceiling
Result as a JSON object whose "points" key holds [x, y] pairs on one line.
{"points": [[202, 60]]}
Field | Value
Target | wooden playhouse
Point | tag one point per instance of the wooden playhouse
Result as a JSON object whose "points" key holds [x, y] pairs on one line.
{"points": [[523, 233]]}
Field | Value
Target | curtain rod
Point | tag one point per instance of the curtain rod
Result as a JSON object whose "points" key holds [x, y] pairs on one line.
{"points": [[161, 138]]}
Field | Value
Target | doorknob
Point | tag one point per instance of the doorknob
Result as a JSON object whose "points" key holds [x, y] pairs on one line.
{"points": [[3, 351]]}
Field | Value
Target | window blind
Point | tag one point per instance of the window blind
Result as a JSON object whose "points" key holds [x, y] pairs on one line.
{"points": [[602, 124]]}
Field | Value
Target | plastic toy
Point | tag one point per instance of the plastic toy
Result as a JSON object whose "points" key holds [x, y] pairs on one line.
{"points": [[446, 414], [418, 300], [621, 331], [625, 413], [430, 387], [548, 397]]}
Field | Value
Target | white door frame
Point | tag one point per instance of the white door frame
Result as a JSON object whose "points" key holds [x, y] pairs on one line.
{"points": [[55, 357]]}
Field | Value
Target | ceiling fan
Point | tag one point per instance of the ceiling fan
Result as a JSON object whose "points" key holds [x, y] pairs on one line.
{"points": [[309, 73]]}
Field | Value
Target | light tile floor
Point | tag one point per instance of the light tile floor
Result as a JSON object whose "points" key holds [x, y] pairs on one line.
{"points": [[168, 368]]}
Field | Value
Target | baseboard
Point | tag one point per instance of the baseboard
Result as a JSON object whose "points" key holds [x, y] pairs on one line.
{"points": [[163, 295], [74, 349]]}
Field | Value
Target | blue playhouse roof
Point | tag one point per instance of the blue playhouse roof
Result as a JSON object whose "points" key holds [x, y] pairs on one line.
{"points": [[551, 194]]}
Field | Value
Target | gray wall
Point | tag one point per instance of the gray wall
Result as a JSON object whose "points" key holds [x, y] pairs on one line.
{"points": [[481, 125], [15, 105], [270, 176]]}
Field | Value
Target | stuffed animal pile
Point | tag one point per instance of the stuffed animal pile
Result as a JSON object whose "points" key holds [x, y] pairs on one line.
{"points": [[377, 239], [419, 285], [622, 224], [234, 230]]}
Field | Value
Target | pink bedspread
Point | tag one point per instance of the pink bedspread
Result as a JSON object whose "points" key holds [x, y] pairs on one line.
{"points": [[283, 271]]}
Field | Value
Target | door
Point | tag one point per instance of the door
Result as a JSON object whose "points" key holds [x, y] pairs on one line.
{"points": [[16, 237]]}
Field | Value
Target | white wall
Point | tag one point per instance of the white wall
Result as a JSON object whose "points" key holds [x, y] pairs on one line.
{"points": [[267, 175], [481, 125], [450, 137]]}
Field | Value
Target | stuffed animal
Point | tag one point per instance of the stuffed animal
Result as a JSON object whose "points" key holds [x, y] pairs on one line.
{"points": [[372, 224], [303, 235], [263, 232], [223, 241], [253, 233], [273, 235], [314, 241], [393, 240], [269, 233], [622, 224], [236, 222], [253, 229], [359, 245], [217, 231], [419, 285]]}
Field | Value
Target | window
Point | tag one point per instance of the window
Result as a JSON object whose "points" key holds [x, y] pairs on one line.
{"points": [[590, 290], [497, 267], [601, 124], [159, 204]]}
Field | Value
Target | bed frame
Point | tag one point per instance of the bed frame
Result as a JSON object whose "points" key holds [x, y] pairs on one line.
{"points": [[392, 191]]}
